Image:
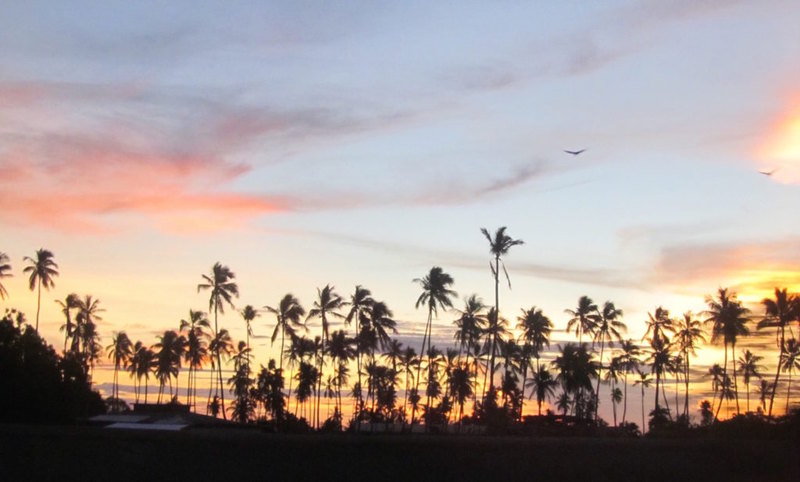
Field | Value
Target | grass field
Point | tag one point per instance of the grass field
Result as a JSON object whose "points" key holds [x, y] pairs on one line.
{"points": [[89, 453]]}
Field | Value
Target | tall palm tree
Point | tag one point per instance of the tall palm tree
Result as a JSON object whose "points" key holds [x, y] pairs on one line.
{"points": [[607, 329], [716, 373], [133, 367], [436, 293], [197, 338], [4, 273], [584, 318], [288, 315], [575, 371], [728, 319], [327, 302], [779, 313], [145, 363], [248, 315], [643, 381], [659, 359], [688, 335], [341, 349], [408, 361], [789, 363], [498, 247], [748, 364], [223, 289], [460, 388], [536, 329], [71, 302], [120, 350], [86, 330], [360, 301], [42, 270], [628, 362], [469, 324]]}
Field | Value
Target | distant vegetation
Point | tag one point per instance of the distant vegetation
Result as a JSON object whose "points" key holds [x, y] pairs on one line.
{"points": [[484, 378]]}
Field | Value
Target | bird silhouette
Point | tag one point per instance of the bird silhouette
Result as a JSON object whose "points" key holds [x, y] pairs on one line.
{"points": [[574, 153], [769, 173]]}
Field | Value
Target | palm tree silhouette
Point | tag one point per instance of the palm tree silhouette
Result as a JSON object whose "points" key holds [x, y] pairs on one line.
{"points": [[42, 270], [436, 294], [4, 273], [327, 302], [120, 350], [223, 289], [764, 391], [748, 364], [627, 361], [658, 323], [779, 313], [221, 344], [86, 331], [716, 373], [543, 384], [498, 247], [616, 398], [575, 371], [240, 383], [69, 328], [248, 315], [584, 318], [197, 338], [643, 381], [408, 360], [169, 351], [789, 363], [659, 359], [688, 334], [360, 301], [142, 364], [607, 328], [288, 315], [341, 349], [728, 319]]}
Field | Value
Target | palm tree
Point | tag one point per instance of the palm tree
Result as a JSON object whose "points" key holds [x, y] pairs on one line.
{"points": [[748, 364], [469, 324], [327, 302], [728, 318], [789, 363], [544, 385], [688, 335], [86, 331], [716, 373], [197, 338], [42, 270], [288, 315], [764, 391], [240, 383], [644, 381], [223, 289], [779, 313], [616, 398], [658, 323], [460, 388], [169, 351], [584, 317], [70, 303], [144, 361], [360, 301], [4, 273], [498, 247], [575, 371], [221, 344], [120, 350], [248, 315], [659, 358], [408, 361], [341, 349], [436, 294], [628, 362], [607, 328], [536, 329]]}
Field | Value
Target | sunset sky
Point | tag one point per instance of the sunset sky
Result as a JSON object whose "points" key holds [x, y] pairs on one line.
{"points": [[306, 143]]}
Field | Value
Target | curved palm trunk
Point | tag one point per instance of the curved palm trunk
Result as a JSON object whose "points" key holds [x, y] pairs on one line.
{"points": [[625, 397], [597, 390], [777, 370], [419, 367], [724, 374], [788, 392]]}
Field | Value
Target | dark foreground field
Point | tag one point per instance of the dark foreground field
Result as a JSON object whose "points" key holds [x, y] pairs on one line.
{"points": [[86, 453]]}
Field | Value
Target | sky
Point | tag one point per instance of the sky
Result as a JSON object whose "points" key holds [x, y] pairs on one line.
{"points": [[307, 143]]}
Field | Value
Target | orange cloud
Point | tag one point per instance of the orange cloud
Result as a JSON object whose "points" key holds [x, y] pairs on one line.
{"points": [[781, 149]]}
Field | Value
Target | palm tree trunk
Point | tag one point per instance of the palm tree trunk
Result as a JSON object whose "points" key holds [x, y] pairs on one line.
{"points": [[145, 390], [643, 427], [625, 397], [686, 392], [788, 392], [735, 386], [777, 371], [496, 315], [38, 303], [597, 392], [419, 367], [724, 374]]}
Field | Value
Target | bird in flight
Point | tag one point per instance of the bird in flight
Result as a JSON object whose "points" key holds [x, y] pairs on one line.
{"points": [[769, 173], [574, 153]]}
